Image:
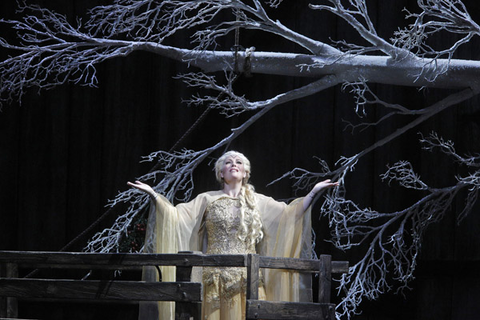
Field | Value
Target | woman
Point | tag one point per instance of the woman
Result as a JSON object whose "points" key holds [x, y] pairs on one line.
{"points": [[233, 220]]}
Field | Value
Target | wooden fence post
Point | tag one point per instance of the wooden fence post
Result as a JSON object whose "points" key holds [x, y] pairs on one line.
{"points": [[8, 305], [188, 310], [3, 300], [253, 276], [325, 279]]}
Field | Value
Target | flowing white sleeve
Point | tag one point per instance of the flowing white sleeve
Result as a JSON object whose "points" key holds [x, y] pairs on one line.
{"points": [[170, 229], [287, 234]]}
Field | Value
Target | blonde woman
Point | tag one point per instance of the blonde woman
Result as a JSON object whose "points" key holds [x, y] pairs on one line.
{"points": [[232, 220]]}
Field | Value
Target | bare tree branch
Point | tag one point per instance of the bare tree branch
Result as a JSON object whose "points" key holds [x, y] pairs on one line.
{"points": [[433, 141], [357, 16], [52, 51], [386, 232], [154, 22], [437, 17], [394, 241], [396, 236]]}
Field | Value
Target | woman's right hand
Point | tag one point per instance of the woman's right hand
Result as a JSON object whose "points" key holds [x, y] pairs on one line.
{"points": [[143, 187]]}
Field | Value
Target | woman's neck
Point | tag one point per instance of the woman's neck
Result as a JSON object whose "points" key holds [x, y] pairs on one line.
{"points": [[233, 190]]}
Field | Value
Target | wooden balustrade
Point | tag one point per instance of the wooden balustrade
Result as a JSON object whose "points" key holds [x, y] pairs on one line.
{"points": [[186, 291]]}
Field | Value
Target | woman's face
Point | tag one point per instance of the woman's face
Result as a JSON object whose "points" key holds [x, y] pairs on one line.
{"points": [[233, 169]]}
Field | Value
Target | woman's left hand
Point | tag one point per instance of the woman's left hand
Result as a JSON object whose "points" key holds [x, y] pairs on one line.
{"points": [[325, 184]]}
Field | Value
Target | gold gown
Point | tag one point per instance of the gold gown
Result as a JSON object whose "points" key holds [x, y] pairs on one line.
{"points": [[212, 218]]}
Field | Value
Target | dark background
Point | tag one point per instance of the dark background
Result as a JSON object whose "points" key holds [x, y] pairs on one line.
{"points": [[66, 152]]}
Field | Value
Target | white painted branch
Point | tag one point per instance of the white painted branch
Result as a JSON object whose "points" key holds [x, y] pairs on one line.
{"points": [[442, 73]]}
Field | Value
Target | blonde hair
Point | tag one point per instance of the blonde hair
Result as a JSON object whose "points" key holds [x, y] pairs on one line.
{"points": [[248, 206]]}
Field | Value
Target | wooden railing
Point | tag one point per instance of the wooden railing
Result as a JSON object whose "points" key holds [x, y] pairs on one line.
{"points": [[185, 291]]}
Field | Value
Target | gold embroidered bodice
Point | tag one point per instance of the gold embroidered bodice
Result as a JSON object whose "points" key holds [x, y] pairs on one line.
{"points": [[222, 222]]}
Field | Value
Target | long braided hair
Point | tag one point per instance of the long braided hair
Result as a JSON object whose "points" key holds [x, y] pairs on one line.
{"points": [[247, 232]]}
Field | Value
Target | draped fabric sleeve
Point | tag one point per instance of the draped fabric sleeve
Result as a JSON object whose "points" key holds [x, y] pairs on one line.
{"points": [[171, 229], [287, 234]]}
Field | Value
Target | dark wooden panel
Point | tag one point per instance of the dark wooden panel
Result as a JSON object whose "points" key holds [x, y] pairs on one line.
{"points": [[100, 290], [117, 260], [258, 309], [300, 264], [123, 260]]}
